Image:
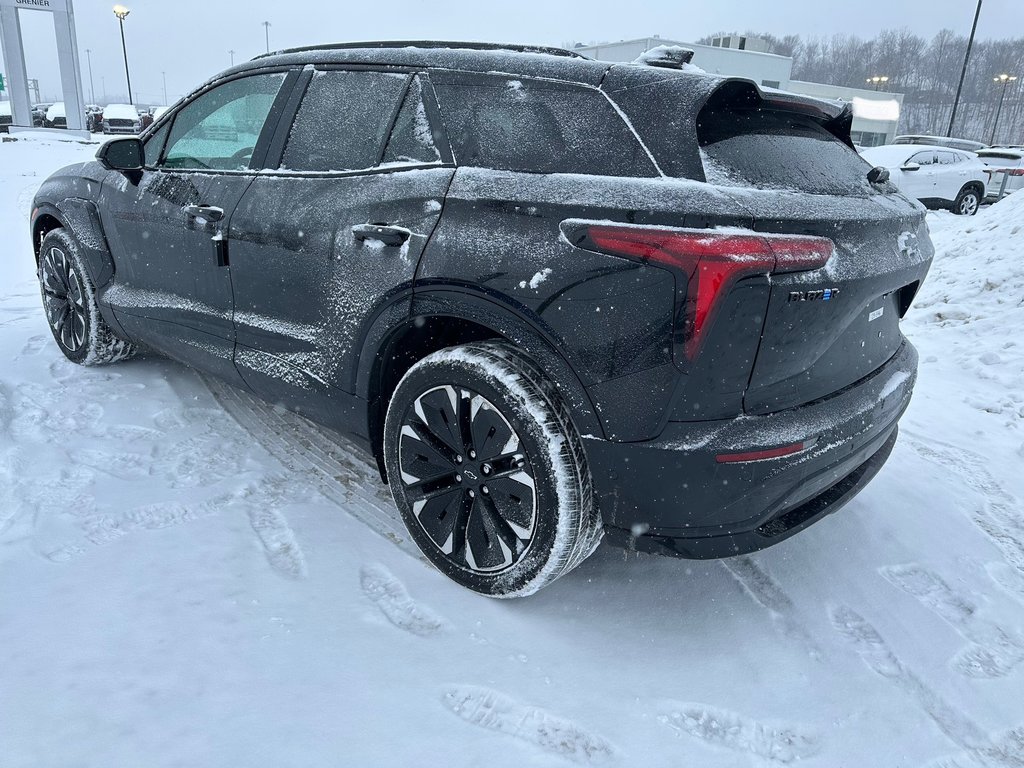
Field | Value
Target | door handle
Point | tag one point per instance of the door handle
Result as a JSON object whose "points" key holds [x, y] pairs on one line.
{"points": [[385, 233], [208, 212]]}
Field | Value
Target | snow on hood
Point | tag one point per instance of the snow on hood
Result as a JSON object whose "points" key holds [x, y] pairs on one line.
{"points": [[55, 111], [120, 112]]}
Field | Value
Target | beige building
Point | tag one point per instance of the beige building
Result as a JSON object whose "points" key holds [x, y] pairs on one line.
{"points": [[876, 114]]}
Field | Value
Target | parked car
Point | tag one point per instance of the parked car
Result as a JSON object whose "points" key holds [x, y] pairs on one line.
{"points": [[1005, 168], [967, 145], [39, 114], [94, 118], [56, 116], [121, 118], [937, 176], [554, 297], [6, 118]]}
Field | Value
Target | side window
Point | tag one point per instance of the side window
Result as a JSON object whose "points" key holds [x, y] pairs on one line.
{"points": [[947, 158], [219, 130], [923, 158], [537, 126], [412, 140], [343, 121], [155, 144]]}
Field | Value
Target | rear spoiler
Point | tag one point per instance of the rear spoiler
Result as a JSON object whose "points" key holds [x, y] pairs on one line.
{"points": [[835, 117]]}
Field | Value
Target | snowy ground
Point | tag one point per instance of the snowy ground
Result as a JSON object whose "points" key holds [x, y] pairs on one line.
{"points": [[189, 578]]}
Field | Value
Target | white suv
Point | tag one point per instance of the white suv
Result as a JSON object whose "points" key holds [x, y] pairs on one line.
{"points": [[1005, 167], [937, 176]]}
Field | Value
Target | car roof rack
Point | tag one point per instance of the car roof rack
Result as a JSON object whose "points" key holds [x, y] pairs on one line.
{"points": [[432, 44]]}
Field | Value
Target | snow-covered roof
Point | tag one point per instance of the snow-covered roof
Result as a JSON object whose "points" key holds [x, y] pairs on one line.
{"points": [[892, 155]]}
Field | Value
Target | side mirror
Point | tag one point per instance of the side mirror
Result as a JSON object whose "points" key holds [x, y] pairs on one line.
{"points": [[122, 155], [910, 167]]}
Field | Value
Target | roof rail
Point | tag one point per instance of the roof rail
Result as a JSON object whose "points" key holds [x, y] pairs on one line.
{"points": [[432, 44]]}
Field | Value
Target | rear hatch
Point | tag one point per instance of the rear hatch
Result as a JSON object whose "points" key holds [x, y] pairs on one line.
{"points": [[795, 173]]}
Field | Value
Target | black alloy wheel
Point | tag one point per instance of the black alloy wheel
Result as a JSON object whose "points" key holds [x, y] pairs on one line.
{"points": [[471, 487], [64, 300], [489, 471]]}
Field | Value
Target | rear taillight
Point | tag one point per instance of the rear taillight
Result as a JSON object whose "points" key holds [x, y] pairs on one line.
{"points": [[709, 261]]}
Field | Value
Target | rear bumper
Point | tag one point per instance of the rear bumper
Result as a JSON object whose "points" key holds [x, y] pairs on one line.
{"points": [[672, 496]]}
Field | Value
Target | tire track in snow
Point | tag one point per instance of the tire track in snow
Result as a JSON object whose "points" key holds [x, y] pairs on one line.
{"points": [[877, 655], [495, 711], [993, 651], [999, 517], [338, 469], [1010, 579], [723, 728], [767, 593], [391, 597]]}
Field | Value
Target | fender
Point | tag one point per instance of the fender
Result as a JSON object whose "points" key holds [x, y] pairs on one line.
{"points": [[83, 220], [457, 303]]}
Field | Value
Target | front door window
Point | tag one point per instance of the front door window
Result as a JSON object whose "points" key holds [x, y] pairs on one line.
{"points": [[220, 129]]}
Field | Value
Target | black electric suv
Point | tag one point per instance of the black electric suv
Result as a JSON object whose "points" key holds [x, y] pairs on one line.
{"points": [[556, 298]]}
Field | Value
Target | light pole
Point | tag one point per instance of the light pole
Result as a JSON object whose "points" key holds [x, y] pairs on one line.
{"points": [[232, 55], [266, 28], [1004, 79], [165, 87], [121, 12], [92, 90], [878, 80], [963, 72]]}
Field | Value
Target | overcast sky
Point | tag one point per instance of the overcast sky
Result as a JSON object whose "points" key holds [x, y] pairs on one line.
{"points": [[190, 39]]}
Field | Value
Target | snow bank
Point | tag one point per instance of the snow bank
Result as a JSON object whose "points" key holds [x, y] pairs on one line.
{"points": [[970, 312]]}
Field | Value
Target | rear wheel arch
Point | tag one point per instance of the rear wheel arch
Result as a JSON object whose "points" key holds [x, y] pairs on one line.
{"points": [[446, 319], [972, 186]]}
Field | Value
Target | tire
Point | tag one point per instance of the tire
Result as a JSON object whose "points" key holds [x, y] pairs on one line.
{"points": [[967, 202], [69, 300], [513, 518]]}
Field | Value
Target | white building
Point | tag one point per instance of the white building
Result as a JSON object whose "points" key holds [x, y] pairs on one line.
{"points": [[875, 113]]}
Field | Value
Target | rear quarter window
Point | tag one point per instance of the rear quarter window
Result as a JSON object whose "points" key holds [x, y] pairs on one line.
{"points": [[535, 126], [770, 149]]}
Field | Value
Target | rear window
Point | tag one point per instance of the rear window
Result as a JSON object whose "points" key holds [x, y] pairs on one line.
{"points": [[1000, 156], [770, 149], [537, 126]]}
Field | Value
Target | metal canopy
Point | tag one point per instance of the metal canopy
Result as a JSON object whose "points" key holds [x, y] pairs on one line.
{"points": [[67, 58]]}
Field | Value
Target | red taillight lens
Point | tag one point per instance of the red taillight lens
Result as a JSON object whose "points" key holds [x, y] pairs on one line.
{"points": [[711, 262]]}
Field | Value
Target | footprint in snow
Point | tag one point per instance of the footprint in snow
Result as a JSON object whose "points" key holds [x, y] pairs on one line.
{"points": [[782, 744], [495, 711], [391, 597]]}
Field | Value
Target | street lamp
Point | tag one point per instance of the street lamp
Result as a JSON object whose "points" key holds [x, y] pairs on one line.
{"points": [[963, 72], [232, 55], [878, 80], [1004, 80], [121, 12], [92, 90], [266, 28]]}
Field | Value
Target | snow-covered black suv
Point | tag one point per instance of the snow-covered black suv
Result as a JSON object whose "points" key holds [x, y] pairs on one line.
{"points": [[555, 297]]}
